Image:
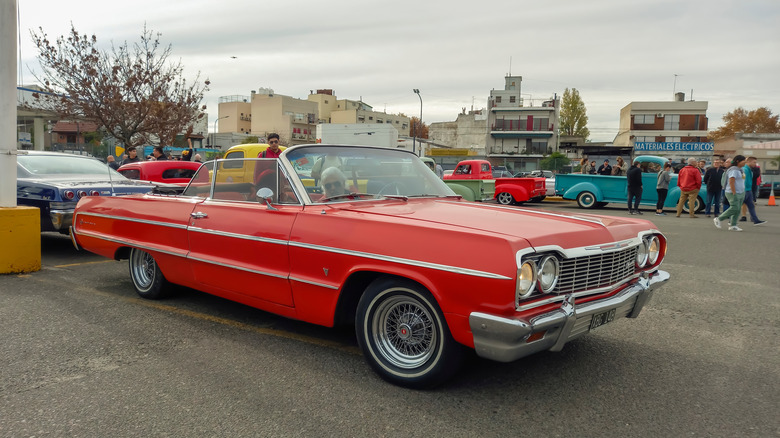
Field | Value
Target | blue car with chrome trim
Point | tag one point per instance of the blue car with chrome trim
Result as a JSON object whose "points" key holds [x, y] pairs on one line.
{"points": [[54, 182]]}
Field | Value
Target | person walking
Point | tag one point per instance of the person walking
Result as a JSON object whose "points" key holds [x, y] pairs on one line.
{"points": [[712, 178], [735, 193], [689, 181], [662, 188], [747, 169], [634, 181]]}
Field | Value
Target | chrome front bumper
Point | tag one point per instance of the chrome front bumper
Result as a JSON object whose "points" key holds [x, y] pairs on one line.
{"points": [[504, 340]]}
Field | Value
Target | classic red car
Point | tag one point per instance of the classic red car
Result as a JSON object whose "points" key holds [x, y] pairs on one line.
{"points": [[472, 169], [356, 249], [167, 171]]}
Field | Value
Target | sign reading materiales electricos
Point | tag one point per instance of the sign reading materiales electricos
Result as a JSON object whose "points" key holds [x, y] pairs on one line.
{"points": [[648, 146]]}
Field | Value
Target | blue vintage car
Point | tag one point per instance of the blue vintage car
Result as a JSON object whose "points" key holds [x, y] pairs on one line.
{"points": [[593, 191], [54, 182]]}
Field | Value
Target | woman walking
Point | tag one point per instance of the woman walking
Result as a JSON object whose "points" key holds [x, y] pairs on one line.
{"points": [[735, 193], [662, 187]]}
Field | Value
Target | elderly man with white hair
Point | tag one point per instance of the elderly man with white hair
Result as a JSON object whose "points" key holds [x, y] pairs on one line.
{"points": [[333, 182], [689, 182]]}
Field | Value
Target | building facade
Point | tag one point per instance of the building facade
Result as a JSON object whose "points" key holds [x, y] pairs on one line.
{"points": [[345, 111], [765, 147], [674, 129], [519, 136]]}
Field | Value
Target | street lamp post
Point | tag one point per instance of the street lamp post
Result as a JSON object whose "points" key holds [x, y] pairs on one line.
{"points": [[417, 92], [214, 143]]}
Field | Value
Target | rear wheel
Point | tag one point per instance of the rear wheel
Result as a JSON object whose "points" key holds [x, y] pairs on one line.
{"points": [[697, 207], [505, 198], [147, 278], [586, 200], [404, 336]]}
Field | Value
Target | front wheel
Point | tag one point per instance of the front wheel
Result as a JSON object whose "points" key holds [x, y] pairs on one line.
{"points": [[505, 198], [147, 278], [586, 200], [404, 336]]}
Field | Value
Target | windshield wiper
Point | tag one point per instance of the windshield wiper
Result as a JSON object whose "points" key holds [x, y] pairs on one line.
{"points": [[348, 195]]}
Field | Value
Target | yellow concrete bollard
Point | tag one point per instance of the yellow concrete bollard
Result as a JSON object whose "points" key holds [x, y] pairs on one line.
{"points": [[20, 239]]}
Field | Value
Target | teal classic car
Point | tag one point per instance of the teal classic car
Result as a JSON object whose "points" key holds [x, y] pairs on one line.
{"points": [[594, 191]]}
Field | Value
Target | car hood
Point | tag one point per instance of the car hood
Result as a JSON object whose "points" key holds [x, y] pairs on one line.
{"points": [[538, 227]]}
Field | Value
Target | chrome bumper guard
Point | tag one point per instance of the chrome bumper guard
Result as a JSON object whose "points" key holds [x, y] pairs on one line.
{"points": [[505, 340]]}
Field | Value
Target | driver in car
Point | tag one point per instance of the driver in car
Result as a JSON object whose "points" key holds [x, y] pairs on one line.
{"points": [[333, 182]]}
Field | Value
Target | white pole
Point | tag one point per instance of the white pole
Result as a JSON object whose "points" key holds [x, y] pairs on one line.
{"points": [[7, 103]]}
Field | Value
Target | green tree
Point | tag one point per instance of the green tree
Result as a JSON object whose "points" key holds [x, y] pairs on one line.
{"points": [[573, 119], [555, 162], [132, 92], [251, 139], [758, 121]]}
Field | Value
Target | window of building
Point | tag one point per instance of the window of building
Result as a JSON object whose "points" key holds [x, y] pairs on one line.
{"points": [[498, 99], [511, 99], [673, 139], [644, 119], [671, 122], [379, 120], [326, 100], [539, 147], [641, 138], [370, 117], [541, 124]]}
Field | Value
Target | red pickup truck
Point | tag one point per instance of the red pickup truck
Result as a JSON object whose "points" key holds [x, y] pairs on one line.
{"points": [[473, 179]]}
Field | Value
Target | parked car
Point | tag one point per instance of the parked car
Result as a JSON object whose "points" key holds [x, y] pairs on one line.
{"points": [[594, 191], [549, 179], [502, 174], [54, 182], [765, 189], [167, 171], [360, 253]]}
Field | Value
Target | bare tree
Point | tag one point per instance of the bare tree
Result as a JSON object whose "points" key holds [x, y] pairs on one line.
{"points": [[132, 92]]}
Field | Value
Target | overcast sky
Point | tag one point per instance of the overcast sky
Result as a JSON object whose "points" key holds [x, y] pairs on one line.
{"points": [[613, 51]]}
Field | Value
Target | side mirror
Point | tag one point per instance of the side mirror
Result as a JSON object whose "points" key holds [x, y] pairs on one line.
{"points": [[266, 195]]}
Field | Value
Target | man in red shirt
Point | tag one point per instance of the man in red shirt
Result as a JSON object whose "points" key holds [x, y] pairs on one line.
{"points": [[273, 150], [689, 182]]}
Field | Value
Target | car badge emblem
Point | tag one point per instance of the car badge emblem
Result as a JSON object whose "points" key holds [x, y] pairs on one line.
{"points": [[325, 270]]}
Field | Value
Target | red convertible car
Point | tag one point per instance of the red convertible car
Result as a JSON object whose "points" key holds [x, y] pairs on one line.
{"points": [[356, 249], [166, 171]]}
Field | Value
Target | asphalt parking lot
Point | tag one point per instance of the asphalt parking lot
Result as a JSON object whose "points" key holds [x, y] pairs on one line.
{"points": [[83, 356]]}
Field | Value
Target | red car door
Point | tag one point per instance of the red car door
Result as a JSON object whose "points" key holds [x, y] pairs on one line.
{"points": [[240, 245]]}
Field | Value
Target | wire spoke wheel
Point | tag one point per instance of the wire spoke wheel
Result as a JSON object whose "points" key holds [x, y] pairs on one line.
{"points": [[403, 332], [147, 278]]}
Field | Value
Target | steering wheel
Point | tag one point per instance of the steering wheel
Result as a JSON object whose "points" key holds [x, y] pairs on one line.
{"points": [[391, 188]]}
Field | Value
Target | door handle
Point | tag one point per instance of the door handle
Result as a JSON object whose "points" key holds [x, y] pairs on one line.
{"points": [[198, 215]]}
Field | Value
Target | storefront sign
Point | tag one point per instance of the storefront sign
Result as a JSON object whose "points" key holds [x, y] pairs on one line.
{"points": [[673, 147]]}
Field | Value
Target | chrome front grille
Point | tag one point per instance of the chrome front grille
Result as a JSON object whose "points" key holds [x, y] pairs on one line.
{"points": [[592, 272]]}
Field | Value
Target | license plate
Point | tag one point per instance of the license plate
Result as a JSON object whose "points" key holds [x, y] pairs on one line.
{"points": [[600, 319]]}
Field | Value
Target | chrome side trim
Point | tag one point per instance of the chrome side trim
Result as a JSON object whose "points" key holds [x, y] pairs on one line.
{"points": [[391, 259], [140, 221], [133, 244], [402, 261], [328, 286], [238, 268], [238, 236]]}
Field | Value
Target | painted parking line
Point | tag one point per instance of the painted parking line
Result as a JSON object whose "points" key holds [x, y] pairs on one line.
{"points": [[216, 319]]}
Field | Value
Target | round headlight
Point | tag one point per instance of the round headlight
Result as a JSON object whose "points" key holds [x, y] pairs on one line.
{"points": [[548, 273], [641, 254], [526, 277], [653, 249]]}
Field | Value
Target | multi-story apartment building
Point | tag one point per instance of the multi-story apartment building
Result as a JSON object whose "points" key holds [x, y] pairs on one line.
{"points": [[345, 111], [520, 135], [674, 129], [264, 112]]}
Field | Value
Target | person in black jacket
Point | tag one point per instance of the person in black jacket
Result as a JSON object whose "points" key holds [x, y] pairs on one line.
{"points": [[712, 178], [634, 178], [605, 169]]}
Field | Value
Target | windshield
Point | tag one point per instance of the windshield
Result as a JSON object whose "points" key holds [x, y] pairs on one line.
{"points": [[329, 173], [58, 166]]}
